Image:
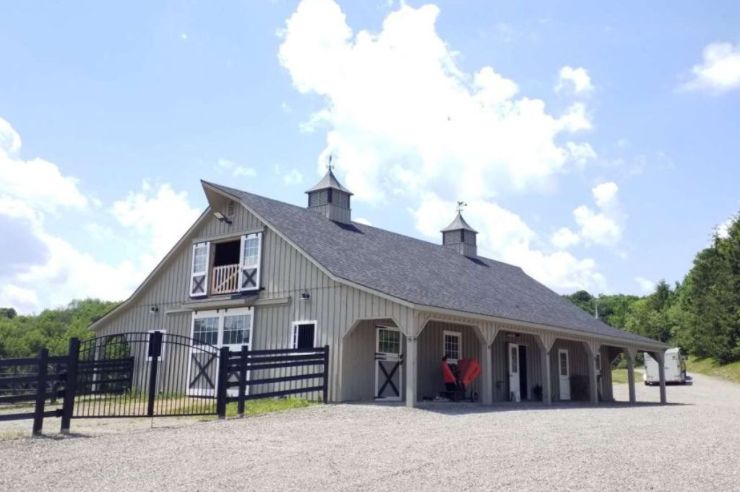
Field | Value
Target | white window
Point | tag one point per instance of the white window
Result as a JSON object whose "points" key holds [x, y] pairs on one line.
{"points": [[304, 335], [223, 328], [205, 330], [249, 261], [199, 271], [161, 350], [452, 346]]}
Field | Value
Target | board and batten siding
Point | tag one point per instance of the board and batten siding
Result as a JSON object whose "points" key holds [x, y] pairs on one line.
{"points": [[500, 359], [286, 273], [431, 350]]}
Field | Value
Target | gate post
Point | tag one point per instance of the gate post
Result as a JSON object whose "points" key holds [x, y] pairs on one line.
{"points": [[155, 349], [38, 414], [325, 394], [70, 385], [223, 376], [242, 380]]}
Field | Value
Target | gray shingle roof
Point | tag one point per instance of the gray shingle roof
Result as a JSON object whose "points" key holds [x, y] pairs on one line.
{"points": [[421, 272]]}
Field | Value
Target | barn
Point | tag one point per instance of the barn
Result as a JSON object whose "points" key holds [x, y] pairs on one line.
{"points": [[256, 272]]}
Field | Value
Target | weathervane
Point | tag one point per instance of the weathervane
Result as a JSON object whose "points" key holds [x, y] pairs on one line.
{"points": [[330, 166], [460, 206]]}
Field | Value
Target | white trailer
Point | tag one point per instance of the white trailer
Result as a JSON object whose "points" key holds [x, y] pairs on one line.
{"points": [[675, 368]]}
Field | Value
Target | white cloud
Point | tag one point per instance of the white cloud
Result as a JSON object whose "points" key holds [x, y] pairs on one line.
{"points": [[159, 215], [723, 230], [36, 181], [719, 70], [503, 235], [228, 166], [564, 238], [646, 286], [581, 153], [293, 177], [574, 81], [601, 225], [362, 220], [402, 117]]}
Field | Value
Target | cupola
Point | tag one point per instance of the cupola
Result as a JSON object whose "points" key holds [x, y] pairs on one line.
{"points": [[460, 236], [329, 198]]}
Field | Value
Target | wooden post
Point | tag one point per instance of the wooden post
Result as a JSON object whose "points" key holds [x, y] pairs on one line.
{"points": [[486, 374], [325, 394], [222, 381], [591, 351], [38, 414], [546, 378], [242, 381], [631, 374], [411, 370], [661, 371], [70, 384]]}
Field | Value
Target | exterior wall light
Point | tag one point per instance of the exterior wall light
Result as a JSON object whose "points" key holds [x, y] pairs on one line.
{"points": [[221, 217], [305, 296]]}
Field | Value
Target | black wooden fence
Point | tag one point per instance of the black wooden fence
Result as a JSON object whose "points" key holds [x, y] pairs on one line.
{"points": [[141, 374]]}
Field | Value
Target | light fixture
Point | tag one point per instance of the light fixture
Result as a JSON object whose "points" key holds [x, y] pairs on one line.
{"points": [[154, 309], [221, 217], [305, 296]]}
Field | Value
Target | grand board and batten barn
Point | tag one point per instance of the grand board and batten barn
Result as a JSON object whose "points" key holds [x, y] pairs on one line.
{"points": [[270, 275]]}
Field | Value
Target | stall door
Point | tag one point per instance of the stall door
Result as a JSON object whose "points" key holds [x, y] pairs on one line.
{"points": [[515, 393], [388, 359], [564, 374]]}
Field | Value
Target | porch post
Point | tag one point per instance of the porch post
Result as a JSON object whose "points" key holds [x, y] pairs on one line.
{"points": [[630, 355], [546, 379], [545, 343], [411, 370], [486, 374], [661, 371], [592, 349]]}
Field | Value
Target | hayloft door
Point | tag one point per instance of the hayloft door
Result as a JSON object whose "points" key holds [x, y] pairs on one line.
{"points": [[388, 360], [515, 393]]}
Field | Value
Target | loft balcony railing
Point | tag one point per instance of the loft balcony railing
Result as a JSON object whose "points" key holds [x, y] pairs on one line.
{"points": [[225, 279]]}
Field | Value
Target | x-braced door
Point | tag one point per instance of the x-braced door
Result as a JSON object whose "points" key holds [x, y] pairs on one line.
{"points": [[388, 361]]}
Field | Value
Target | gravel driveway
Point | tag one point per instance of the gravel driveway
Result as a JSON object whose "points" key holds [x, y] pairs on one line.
{"points": [[691, 444]]}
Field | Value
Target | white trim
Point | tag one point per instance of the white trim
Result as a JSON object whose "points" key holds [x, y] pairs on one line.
{"points": [[257, 265], [560, 374], [161, 354], [294, 335], [204, 272], [458, 335]]}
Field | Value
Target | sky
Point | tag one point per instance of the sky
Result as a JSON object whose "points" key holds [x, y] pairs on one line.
{"points": [[595, 145]]}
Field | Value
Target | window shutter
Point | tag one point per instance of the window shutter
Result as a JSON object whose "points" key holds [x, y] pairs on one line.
{"points": [[199, 270], [250, 258]]}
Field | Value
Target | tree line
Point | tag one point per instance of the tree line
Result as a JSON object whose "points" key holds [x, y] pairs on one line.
{"points": [[23, 336], [701, 314]]}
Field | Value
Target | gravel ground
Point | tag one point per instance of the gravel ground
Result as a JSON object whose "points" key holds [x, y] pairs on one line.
{"points": [[693, 443]]}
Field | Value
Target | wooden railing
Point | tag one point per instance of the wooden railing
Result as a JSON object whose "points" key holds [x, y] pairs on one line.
{"points": [[225, 279]]}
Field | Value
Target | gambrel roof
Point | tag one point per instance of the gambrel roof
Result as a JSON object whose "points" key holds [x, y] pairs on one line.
{"points": [[420, 272]]}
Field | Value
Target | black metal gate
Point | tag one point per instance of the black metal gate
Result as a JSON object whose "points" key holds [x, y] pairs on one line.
{"points": [[142, 374]]}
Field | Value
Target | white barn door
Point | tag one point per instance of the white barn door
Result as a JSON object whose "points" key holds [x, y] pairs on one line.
{"points": [[514, 374], [564, 374]]}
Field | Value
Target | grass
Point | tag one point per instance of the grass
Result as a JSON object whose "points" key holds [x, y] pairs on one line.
{"points": [[710, 367], [268, 405], [619, 376]]}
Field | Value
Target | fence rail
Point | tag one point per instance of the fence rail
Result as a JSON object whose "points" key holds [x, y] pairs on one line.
{"points": [[154, 374], [241, 365]]}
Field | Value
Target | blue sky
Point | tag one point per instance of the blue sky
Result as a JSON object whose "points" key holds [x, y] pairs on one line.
{"points": [[596, 145]]}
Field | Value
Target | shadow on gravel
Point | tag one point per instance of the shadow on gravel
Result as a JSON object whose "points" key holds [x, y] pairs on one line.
{"points": [[466, 408]]}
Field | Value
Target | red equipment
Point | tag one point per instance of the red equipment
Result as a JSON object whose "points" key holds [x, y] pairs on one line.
{"points": [[458, 377]]}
